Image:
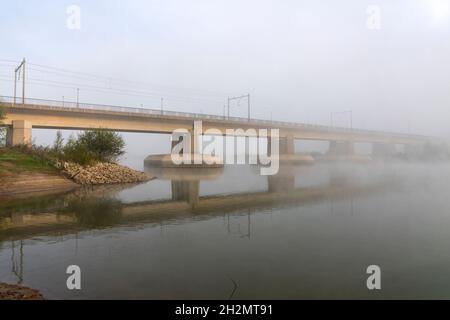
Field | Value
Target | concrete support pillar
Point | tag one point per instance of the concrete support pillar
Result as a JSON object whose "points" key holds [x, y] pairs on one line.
{"points": [[194, 137], [191, 137], [341, 148], [287, 145], [19, 133], [383, 150], [196, 144]]}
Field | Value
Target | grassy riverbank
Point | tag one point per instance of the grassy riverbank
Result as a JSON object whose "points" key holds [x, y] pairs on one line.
{"points": [[14, 160], [25, 171]]}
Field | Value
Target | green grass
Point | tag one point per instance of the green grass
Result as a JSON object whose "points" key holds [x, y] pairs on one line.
{"points": [[13, 160]]}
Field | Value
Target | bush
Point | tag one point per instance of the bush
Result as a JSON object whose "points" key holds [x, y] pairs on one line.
{"points": [[90, 147], [106, 145], [2, 130], [2, 111], [58, 145], [74, 151]]}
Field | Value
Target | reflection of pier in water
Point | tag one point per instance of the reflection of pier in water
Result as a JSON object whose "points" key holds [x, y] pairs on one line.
{"points": [[85, 213]]}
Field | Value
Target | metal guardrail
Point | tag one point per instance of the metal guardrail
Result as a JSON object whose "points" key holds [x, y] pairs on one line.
{"points": [[144, 111]]}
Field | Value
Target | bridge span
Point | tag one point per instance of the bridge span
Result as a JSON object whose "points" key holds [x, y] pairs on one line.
{"points": [[50, 114]]}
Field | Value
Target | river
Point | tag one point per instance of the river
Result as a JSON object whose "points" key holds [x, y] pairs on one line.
{"points": [[308, 233]]}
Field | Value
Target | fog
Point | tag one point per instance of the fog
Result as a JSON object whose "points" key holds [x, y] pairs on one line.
{"points": [[299, 60]]}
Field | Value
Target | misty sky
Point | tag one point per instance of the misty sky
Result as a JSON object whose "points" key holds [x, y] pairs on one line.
{"points": [[299, 60]]}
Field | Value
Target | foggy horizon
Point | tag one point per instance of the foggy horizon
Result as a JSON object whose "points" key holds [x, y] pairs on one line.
{"points": [[300, 61]]}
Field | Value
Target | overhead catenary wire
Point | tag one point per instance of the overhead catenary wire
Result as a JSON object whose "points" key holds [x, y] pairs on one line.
{"points": [[47, 83], [117, 80], [56, 77], [10, 61], [136, 92]]}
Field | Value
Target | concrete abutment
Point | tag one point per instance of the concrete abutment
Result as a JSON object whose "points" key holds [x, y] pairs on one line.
{"points": [[19, 133]]}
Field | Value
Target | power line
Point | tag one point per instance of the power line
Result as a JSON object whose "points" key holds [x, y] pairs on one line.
{"points": [[45, 83], [8, 65], [133, 92], [10, 61], [85, 75], [105, 78], [73, 85], [110, 80], [107, 85]]}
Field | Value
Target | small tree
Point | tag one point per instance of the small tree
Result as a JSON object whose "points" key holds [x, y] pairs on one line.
{"points": [[2, 130], [90, 147], [2, 111], [106, 145], [58, 145], [76, 152]]}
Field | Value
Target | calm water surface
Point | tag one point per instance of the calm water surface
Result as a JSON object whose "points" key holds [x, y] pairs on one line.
{"points": [[309, 232]]}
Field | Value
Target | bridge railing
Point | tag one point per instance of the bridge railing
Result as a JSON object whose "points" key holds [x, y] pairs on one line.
{"points": [[130, 110]]}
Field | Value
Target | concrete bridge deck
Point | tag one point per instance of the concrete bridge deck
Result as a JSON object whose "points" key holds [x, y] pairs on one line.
{"points": [[49, 114]]}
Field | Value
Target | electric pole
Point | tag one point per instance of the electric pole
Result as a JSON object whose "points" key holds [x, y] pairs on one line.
{"points": [[78, 97], [351, 119], [23, 83], [15, 84], [18, 69], [350, 112], [238, 98], [248, 101]]}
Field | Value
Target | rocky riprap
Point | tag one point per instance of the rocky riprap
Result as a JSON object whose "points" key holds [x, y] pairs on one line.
{"points": [[101, 173], [16, 292]]}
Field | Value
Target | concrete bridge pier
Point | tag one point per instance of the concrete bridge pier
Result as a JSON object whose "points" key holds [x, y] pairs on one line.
{"points": [[383, 150], [341, 148], [193, 139], [19, 133], [286, 145]]}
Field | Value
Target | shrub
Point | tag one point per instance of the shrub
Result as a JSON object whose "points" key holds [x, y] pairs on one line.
{"points": [[2, 111], [106, 145], [77, 152], [90, 147], [2, 130], [58, 145]]}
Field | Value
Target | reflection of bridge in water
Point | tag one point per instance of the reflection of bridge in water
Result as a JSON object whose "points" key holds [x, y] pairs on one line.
{"points": [[77, 213]]}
